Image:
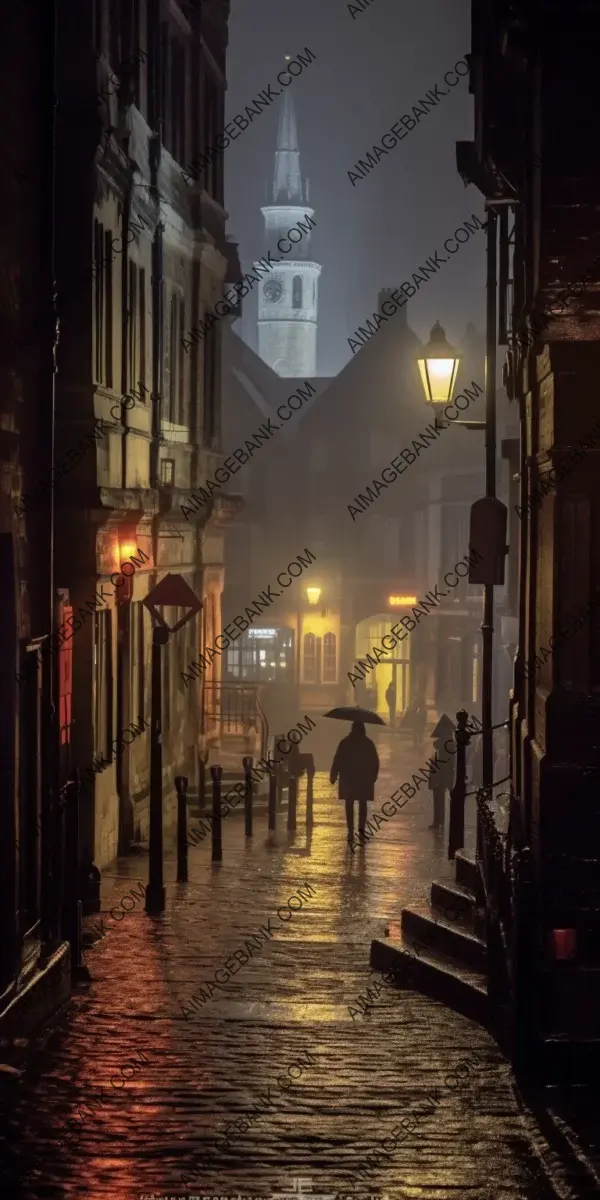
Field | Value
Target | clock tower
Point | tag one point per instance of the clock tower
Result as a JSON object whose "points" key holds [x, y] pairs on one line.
{"points": [[288, 297]]}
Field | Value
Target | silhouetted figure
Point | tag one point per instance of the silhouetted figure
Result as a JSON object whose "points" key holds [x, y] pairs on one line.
{"points": [[414, 721], [442, 778], [420, 723], [390, 699], [356, 765]]}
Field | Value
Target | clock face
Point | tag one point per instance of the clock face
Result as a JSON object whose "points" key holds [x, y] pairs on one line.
{"points": [[273, 291]]}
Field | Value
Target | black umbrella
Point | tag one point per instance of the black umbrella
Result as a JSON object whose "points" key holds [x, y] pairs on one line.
{"points": [[355, 714], [444, 728]]}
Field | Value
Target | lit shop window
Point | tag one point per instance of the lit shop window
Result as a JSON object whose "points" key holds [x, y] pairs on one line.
{"points": [[329, 658]]}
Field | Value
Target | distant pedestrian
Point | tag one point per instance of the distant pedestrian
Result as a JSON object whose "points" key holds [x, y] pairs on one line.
{"points": [[442, 779], [390, 699], [420, 723], [356, 766]]}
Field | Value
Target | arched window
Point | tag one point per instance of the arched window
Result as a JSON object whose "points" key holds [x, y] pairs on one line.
{"points": [[297, 291], [309, 666], [329, 658]]}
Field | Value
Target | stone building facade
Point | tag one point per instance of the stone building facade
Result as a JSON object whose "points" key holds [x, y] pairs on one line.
{"points": [[112, 256]]}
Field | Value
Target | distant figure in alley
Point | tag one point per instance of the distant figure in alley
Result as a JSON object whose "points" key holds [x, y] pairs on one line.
{"points": [[442, 780], [356, 765]]}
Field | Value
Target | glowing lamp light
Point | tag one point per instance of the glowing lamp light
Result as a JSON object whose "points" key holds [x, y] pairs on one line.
{"points": [[564, 943], [312, 595], [126, 550], [401, 601], [438, 367]]}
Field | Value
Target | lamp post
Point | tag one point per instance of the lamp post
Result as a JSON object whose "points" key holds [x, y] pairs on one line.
{"points": [[171, 592], [488, 516], [438, 366]]}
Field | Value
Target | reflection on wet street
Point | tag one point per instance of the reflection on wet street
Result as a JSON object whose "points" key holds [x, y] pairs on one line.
{"points": [[215, 1053]]}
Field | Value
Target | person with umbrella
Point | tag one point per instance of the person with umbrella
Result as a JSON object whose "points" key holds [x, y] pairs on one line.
{"points": [[442, 779], [390, 699], [355, 765]]}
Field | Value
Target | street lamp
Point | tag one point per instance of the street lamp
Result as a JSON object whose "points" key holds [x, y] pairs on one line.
{"points": [[438, 367], [313, 595], [171, 592]]}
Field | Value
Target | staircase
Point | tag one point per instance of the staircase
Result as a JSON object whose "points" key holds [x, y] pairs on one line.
{"points": [[440, 948]]}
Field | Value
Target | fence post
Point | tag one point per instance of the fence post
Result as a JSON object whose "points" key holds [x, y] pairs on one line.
{"points": [[273, 799], [292, 801], [310, 774], [217, 848], [456, 832], [248, 794], [181, 786]]}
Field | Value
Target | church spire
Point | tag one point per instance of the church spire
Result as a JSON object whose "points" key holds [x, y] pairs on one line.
{"points": [[287, 179]]}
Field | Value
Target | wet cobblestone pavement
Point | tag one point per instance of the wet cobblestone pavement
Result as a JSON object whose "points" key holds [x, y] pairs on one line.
{"points": [[274, 1047]]}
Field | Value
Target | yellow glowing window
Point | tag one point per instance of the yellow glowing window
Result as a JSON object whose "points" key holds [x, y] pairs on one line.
{"points": [[401, 601]]}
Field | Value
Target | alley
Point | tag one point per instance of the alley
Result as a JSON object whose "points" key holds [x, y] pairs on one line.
{"points": [[267, 1077]]}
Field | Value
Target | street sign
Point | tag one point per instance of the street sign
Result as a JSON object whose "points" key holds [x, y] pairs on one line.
{"points": [[172, 592]]}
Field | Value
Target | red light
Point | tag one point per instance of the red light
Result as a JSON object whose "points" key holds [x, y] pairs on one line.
{"points": [[564, 943]]}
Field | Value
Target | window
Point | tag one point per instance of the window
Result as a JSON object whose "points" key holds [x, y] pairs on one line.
{"points": [[329, 658], [142, 328], [309, 669], [103, 684], [102, 277], [212, 172], [263, 655], [210, 383], [167, 472], [133, 348], [99, 313], [138, 651], [297, 292], [175, 132], [108, 254], [174, 361]]}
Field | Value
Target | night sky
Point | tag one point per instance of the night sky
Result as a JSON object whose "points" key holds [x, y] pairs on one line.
{"points": [[368, 72]]}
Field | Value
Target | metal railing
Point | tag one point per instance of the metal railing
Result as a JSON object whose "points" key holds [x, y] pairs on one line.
{"points": [[234, 709], [507, 895], [506, 873]]}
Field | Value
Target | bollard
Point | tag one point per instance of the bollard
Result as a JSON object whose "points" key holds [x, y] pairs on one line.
{"points": [[273, 799], [310, 774], [181, 786], [247, 765], [217, 848], [292, 801]]}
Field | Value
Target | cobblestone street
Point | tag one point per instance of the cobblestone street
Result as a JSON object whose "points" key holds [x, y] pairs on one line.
{"points": [[274, 1043]]}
